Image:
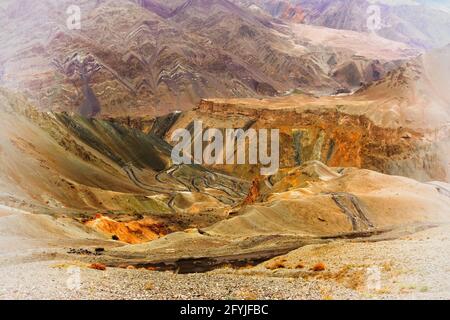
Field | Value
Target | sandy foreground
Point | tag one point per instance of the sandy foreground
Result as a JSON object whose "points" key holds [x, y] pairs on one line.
{"points": [[416, 266]]}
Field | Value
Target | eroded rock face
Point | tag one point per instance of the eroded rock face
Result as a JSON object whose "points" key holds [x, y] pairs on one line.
{"points": [[332, 137], [131, 232], [157, 57], [398, 125]]}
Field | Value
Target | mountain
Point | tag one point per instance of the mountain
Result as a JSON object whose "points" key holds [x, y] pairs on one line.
{"points": [[422, 24], [398, 125], [93, 202], [281, 9], [150, 57], [75, 167]]}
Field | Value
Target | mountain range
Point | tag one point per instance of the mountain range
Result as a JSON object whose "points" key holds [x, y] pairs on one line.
{"points": [[153, 58], [421, 24]]}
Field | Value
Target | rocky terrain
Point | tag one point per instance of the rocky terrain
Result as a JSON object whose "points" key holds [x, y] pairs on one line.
{"points": [[395, 20], [80, 167], [398, 125], [280, 9], [93, 206], [337, 240], [149, 57], [117, 184]]}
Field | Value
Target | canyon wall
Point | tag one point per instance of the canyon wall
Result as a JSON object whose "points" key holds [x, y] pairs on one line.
{"points": [[335, 138]]}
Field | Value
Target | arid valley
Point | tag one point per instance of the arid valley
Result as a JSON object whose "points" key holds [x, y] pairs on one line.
{"points": [[93, 204]]}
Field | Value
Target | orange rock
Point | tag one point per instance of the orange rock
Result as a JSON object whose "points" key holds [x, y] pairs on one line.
{"points": [[278, 263], [132, 232], [319, 267], [152, 269], [98, 266], [253, 193]]}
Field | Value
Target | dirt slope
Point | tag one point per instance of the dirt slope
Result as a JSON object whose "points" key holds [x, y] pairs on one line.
{"points": [[306, 205], [76, 167]]}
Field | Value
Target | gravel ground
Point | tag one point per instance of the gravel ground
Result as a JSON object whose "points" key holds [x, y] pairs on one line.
{"points": [[412, 267], [54, 280]]}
